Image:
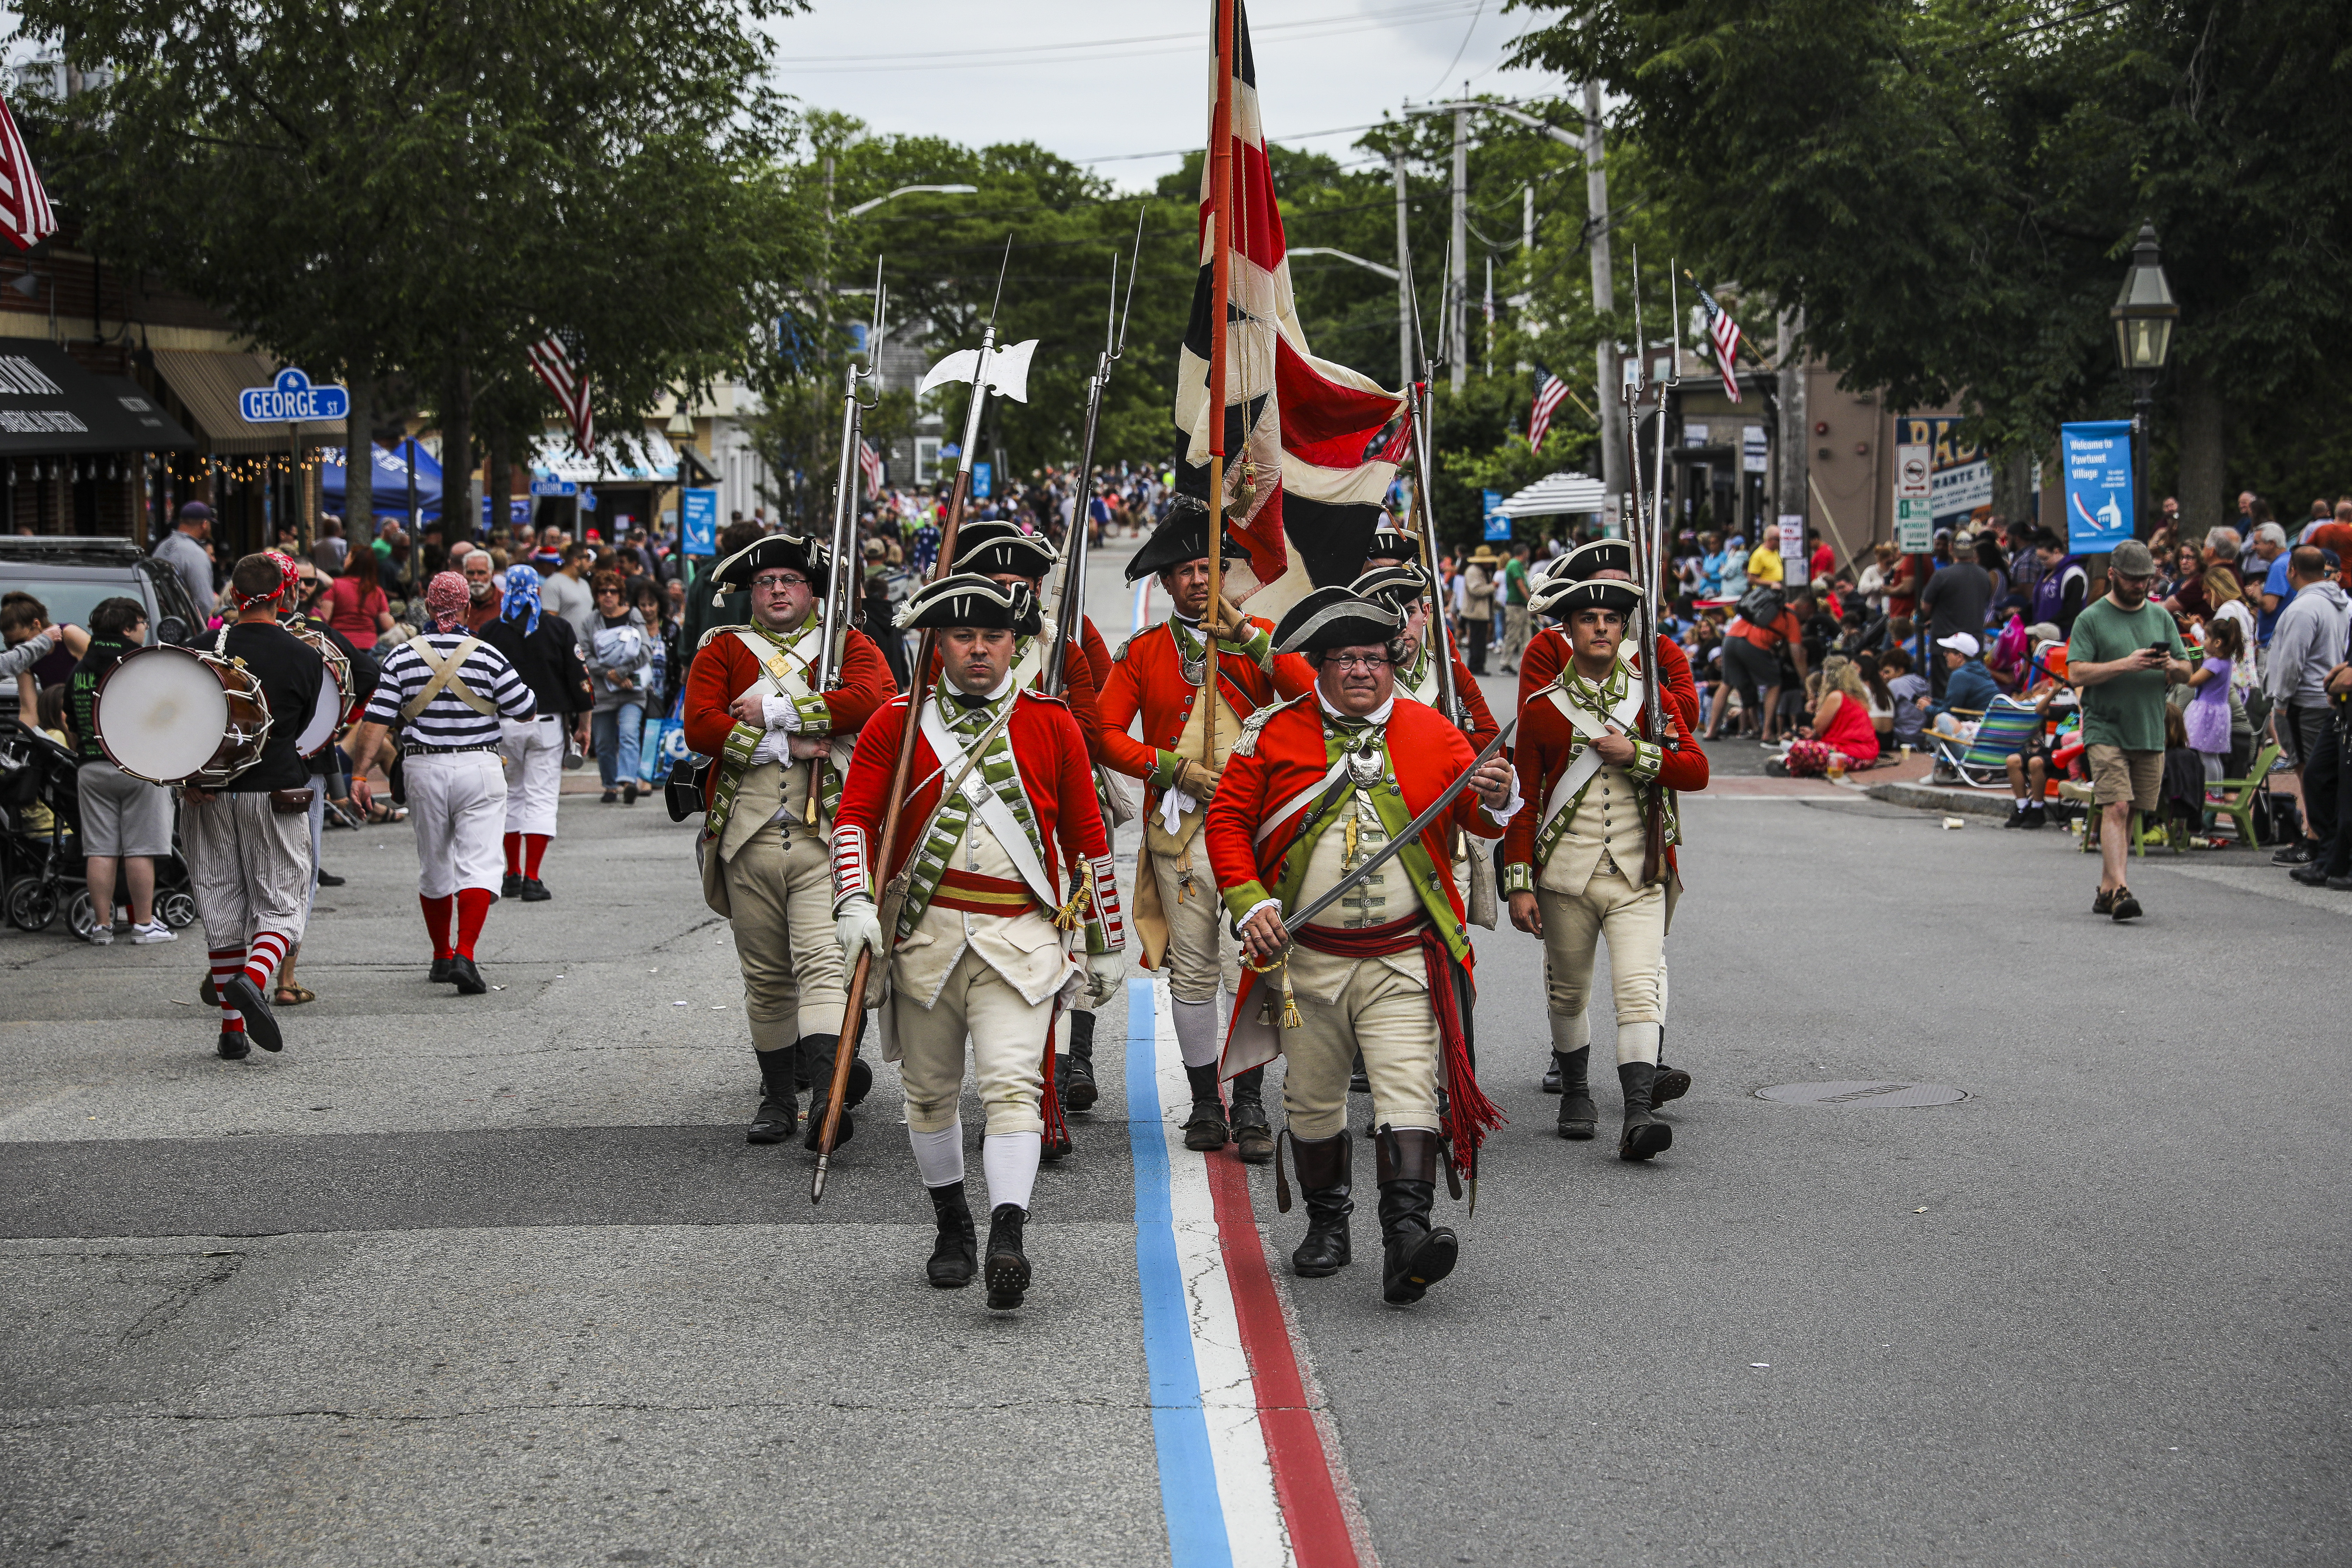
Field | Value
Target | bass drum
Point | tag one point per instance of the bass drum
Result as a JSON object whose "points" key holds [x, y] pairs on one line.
{"points": [[177, 715], [330, 713]]}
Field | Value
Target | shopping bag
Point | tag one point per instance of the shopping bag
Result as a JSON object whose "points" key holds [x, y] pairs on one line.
{"points": [[664, 744]]}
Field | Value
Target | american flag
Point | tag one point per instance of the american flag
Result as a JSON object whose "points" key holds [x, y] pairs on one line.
{"points": [[557, 360], [870, 461], [1550, 393], [1724, 333], [25, 216]]}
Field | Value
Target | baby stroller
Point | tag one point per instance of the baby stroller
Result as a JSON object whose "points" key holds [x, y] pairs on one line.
{"points": [[41, 867]]}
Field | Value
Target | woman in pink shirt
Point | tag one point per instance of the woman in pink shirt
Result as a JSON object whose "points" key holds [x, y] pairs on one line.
{"points": [[356, 605]]}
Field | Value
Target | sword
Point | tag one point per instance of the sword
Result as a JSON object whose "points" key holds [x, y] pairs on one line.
{"points": [[1413, 831]]}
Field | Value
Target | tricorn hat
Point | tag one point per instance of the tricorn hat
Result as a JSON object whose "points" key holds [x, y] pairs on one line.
{"points": [[1182, 535], [968, 599], [1390, 542], [1400, 587], [1561, 597], [785, 550], [989, 548], [1335, 618], [1600, 555]]}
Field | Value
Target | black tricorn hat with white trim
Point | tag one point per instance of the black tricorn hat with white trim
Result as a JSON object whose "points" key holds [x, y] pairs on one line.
{"points": [[968, 599], [1599, 555], [1182, 535], [1390, 542], [788, 551], [989, 548], [1400, 587], [1335, 618], [1558, 599]]}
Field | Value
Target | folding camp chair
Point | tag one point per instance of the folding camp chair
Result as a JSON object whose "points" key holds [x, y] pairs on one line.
{"points": [[1981, 762], [2234, 798]]}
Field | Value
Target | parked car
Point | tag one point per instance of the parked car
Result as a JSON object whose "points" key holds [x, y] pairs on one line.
{"points": [[71, 574]]}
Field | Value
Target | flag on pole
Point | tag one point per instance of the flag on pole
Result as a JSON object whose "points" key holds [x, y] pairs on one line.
{"points": [[1724, 333], [870, 462], [1550, 393], [25, 218], [1305, 466], [557, 360]]}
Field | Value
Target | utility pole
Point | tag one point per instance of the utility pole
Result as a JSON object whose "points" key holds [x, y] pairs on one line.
{"points": [[1457, 307], [1604, 301], [1405, 369]]}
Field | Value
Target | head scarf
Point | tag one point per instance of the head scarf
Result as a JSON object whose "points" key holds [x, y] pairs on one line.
{"points": [[445, 599], [289, 590], [523, 598]]}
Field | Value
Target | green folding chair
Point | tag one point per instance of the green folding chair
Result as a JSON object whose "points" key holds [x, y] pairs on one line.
{"points": [[2234, 798]]}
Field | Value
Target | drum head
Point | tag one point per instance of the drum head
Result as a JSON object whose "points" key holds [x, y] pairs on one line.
{"points": [[326, 718], [160, 714]]}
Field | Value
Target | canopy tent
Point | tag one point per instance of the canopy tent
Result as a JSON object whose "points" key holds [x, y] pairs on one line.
{"points": [[641, 456], [391, 480], [1556, 495]]}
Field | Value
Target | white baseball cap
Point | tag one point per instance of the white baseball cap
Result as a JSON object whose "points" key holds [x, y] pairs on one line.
{"points": [[1960, 643]]}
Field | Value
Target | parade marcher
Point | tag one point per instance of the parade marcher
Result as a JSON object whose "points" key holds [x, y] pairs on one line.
{"points": [[325, 765], [1158, 674], [752, 702], [1404, 588], [248, 844], [545, 653], [1317, 788], [1002, 798], [446, 691], [1573, 868], [1002, 552]]}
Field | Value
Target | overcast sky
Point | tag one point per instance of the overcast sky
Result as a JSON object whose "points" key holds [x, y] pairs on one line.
{"points": [[1124, 86]]}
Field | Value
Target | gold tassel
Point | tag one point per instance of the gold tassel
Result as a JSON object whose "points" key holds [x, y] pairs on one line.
{"points": [[1073, 915], [1290, 1018], [1347, 847]]}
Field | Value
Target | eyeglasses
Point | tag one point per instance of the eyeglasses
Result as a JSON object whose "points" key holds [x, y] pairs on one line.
{"points": [[779, 582], [1356, 661]]}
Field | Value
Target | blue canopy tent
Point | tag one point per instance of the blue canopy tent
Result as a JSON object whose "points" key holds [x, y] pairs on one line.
{"points": [[391, 480]]}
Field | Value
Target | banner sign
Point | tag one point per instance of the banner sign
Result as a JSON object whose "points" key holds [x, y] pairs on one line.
{"points": [[701, 532], [1497, 525], [2099, 502]]}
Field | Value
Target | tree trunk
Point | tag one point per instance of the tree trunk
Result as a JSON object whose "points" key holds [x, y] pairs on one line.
{"points": [[502, 483], [2012, 485], [2201, 490], [358, 465], [458, 511]]}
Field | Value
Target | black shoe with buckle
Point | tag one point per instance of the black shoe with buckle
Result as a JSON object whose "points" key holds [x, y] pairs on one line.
{"points": [[233, 1047], [1252, 1137], [465, 977], [260, 1023], [511, 887], [441, 973]]}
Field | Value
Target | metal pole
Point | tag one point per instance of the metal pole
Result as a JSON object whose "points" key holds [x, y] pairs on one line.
{"points": [[2143, 400], [1604, 301], [1221, 283], [1457, 306], [1404, 277]]}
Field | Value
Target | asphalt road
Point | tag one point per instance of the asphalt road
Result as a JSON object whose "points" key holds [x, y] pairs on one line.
{"points": [[497, 1280]]}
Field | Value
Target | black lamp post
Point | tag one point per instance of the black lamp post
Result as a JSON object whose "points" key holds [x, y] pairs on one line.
{"points": [[2144, 315]]}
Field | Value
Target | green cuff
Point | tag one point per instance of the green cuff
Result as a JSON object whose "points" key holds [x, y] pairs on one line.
{"points": [[1647, 758], [1258, 648], [1240, 900], [816, 717], [1163, 772], [742, 741], [1518, 877]]}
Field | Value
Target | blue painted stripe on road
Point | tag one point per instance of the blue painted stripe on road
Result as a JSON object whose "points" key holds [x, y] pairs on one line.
{"points": [[1179, 1428]]}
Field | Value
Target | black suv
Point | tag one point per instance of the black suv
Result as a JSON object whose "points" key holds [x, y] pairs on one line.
{"points": [[70, 575]]}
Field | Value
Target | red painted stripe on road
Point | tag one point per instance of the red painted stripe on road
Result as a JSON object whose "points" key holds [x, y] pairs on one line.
{"points": [[1304, 1481]]}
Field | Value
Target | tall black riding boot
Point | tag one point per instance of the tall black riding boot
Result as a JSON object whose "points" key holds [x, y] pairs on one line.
{"points": [[1644, 1134], [779, 1113], [1577, 1112], [954, 1256], [1323, 1180], [1252, 1137], [819, 1050], [1204, 1128], [1077, 1068], [1416, 1254], [1008, 1265]]}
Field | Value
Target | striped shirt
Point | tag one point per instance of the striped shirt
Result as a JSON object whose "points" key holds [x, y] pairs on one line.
{"points": [[446, 719]]}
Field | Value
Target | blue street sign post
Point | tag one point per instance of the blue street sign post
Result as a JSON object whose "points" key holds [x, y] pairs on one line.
{"points": [[2098, 481], [1498, 527], [981, 473], [543, 488], [701, 526]]}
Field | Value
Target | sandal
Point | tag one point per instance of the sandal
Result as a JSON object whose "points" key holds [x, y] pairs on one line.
{"points": [[293, 996], [382, 814]]}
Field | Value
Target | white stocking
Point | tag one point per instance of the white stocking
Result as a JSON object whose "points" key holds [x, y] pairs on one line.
{"points": [[1010, 1161], [1637, 1043], [1196, 1032], [939, 1155]]}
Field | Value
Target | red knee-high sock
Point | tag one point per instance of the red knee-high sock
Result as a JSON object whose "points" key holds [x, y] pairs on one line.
{"points": [[227, 962], [437, 922], [514, 855], [269, 951], [535, 849], [473, 905]]}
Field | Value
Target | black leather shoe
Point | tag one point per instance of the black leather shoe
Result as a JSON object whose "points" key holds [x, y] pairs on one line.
{"points": [[1577, 1116], [1204, 1128], [814, 1133], [816, 1053], [2313, 875], [1252, 1137], [1643, 1135], [260, 1023], [2296, 853], [440, 974], [1008, 1265], [1670, 1083], [1077, 1082], [955, 1254], [534, 892], [629, 787], [1323, 1180], [2037, 815], [1551, 1075], [465, 977], [233, 1047], [2340, 884], [1416, 1254], [328, 879], [779, 1115], [511, 888]]}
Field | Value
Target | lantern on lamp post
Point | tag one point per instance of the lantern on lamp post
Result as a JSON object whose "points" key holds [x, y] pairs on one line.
{"points": [[2144, 315]]}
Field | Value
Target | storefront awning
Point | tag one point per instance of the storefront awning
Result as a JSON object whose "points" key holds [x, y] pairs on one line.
{"points": [[639, 457], [208, 383], [51, 404]]}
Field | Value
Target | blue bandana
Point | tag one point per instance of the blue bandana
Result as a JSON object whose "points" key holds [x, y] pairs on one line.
{"points": [[523, 598]]}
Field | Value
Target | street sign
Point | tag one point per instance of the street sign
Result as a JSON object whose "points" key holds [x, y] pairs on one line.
{"points": [[1915, 525], [1914, 472], [1793, 559], [555, 488], [982, 473], [1755, 448], [2098, 461], [701, 533], [293, 399], [1498, 527]]}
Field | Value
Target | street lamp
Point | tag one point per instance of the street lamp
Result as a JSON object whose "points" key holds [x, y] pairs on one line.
{"points": [[2144, 315], [863, 207]]}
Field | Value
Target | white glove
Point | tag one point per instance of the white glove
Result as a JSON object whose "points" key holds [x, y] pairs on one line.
{"points": [[858, 925], [1105, 972], [781, 714]]}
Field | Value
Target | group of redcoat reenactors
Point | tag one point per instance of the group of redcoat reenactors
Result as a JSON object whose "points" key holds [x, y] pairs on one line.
{"points": [[1286, 887]]}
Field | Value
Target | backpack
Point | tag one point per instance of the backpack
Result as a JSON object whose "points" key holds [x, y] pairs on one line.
{"points": [[1761, 605]]}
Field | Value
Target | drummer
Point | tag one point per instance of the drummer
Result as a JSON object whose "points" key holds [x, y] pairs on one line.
{"points": [[354, 679], [248, 844]]}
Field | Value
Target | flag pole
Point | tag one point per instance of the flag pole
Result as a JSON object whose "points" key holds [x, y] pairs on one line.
{"points": [[1220, 275]]}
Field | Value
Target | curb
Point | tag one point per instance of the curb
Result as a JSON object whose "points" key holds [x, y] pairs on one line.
{"points": [[1932, 797]]}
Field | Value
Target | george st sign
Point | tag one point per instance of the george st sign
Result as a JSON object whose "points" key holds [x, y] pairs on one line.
{"points": [[292, 400]]}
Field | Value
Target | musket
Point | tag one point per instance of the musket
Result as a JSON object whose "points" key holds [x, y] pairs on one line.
{"points": [[1008, 374], [1069, 613], [1421, 401], [1646, 535], [833, 627]]}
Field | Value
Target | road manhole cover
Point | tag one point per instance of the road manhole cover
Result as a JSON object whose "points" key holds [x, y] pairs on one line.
{"points": [[1861, 1093]]}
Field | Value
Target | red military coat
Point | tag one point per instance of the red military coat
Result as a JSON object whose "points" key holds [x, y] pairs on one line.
{"points": [[1547, 743], [1147, 678], [1547, 655], [724, 668], [1483, 725]]}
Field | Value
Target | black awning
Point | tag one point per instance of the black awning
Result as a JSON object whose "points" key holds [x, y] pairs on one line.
{"points": [[51, 404]]}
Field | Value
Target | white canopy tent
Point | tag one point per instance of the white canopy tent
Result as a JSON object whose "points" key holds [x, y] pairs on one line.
{"points": [[1556, 495]]}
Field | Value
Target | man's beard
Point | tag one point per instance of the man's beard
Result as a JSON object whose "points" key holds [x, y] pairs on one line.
{"points": [[478, 592]]}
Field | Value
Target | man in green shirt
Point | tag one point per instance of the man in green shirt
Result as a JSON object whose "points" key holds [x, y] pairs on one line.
{"points": [[2124, 653]]}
